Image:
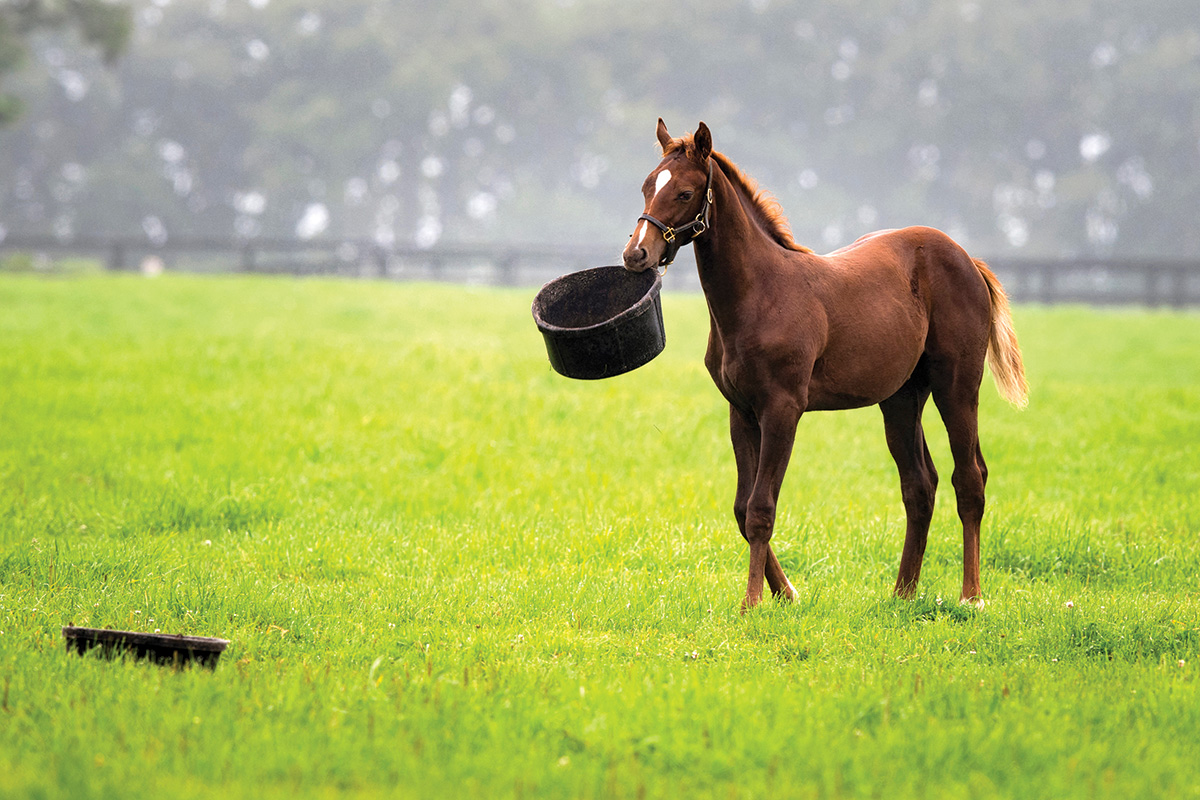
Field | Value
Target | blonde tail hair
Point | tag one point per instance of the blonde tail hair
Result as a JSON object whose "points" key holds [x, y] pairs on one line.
{"points": [[1004, 353]]}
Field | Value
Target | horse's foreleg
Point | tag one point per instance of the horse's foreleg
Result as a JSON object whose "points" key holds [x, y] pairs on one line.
{"points": [[777, 430], [746, 438]]}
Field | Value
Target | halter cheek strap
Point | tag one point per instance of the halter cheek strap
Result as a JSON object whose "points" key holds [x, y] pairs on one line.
{"points": [[694, 228]]}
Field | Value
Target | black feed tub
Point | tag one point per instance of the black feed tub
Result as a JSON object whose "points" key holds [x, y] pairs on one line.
{"points": [[161, 648], [601, 322]]}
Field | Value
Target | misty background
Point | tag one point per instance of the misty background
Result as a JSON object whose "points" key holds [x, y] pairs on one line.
{"points": [[1047, 129]]}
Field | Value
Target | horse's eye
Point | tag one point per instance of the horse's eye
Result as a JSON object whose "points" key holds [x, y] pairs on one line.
{"points": [[685, 196]]}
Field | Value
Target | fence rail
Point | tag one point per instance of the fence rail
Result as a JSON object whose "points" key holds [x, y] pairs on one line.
{"points": [[1153, 282]]}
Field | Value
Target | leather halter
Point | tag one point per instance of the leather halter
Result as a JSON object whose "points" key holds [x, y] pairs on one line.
{"points": [[694, 228]]}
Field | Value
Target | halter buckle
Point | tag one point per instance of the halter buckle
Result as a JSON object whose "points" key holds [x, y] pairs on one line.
{"points": [[669, 235]]}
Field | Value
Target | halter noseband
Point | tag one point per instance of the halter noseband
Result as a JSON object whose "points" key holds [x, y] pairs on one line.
{"points": [[696, 227]]}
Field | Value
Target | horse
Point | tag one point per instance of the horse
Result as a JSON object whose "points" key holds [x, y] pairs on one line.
{"points": [[890, 320]]}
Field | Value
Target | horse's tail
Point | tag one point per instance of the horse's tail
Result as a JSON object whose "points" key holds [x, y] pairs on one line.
{"points": [[1004, 353]]}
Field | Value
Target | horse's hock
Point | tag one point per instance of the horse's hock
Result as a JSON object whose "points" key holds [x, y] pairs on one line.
{"points": [[601, 322]]}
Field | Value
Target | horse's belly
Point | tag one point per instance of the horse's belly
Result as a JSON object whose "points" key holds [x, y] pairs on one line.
{"points": [[866, 374]]}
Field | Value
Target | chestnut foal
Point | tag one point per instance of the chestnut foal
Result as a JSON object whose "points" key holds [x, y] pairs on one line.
{"points": [[891, 319]]}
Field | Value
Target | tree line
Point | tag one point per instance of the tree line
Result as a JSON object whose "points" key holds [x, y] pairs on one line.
{"points": [[1023, 128]]}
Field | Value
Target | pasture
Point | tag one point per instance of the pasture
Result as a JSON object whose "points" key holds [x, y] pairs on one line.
{"points": [[447, 571]]}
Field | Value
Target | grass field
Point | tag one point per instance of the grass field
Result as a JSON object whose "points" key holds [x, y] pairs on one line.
{"points": [[448, 572]]}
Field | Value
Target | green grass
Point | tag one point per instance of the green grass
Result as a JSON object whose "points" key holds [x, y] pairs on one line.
{"points": [[447, 571]]}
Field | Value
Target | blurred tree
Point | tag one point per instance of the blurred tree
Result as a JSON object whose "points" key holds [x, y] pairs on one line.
{"points": [[1023, 127], [100, 23]]}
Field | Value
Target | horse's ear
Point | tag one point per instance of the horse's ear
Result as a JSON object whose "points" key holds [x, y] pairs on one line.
{"points": [[703, 139], [664, 138]]}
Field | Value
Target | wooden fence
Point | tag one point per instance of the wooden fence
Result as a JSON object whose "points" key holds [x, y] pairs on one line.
{"points": [[1152, 282]]}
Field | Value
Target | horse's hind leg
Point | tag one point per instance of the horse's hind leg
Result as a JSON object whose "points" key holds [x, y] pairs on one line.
{"points": [[746, 439], [780, 586], [918, 478], [956, 393]]}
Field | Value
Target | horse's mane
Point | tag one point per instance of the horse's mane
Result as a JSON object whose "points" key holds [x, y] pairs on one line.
{"points": [[766, 207]]}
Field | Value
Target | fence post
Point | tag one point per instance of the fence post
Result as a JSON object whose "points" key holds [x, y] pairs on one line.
{"points": [[247, 264], [1178, 287], [116, 256], [508, 269], [1048, 283], [1021, 278], [381, 260]]}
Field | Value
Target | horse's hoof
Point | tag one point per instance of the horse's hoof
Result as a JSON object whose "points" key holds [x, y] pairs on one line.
{"points": [[977, 602], [785, 593]]}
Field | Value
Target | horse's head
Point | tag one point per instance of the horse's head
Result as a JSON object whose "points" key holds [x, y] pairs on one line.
{"points": [[678, 197]]}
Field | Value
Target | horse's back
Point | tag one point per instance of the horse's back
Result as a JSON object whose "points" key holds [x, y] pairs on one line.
{"points": [[866, 237], [924, 262], [889, 270], [892, 297]]}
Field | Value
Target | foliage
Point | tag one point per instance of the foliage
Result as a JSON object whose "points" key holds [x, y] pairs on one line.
{"points": [[99, 23], [1029, 127], [447, 571]]}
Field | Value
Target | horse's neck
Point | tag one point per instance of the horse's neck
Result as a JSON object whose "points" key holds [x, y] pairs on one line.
{"points": [[728, 257]]}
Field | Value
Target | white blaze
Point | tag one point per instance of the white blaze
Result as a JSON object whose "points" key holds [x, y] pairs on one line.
{"points": [[662, 180]]}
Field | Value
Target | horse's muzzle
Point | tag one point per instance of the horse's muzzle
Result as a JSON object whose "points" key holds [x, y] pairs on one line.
{"points": [[636, 259]]}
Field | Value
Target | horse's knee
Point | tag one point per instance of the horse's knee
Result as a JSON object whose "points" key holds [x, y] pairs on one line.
{"points": [[760, 521], [739, 514], [918, 499], [918, 490]]}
